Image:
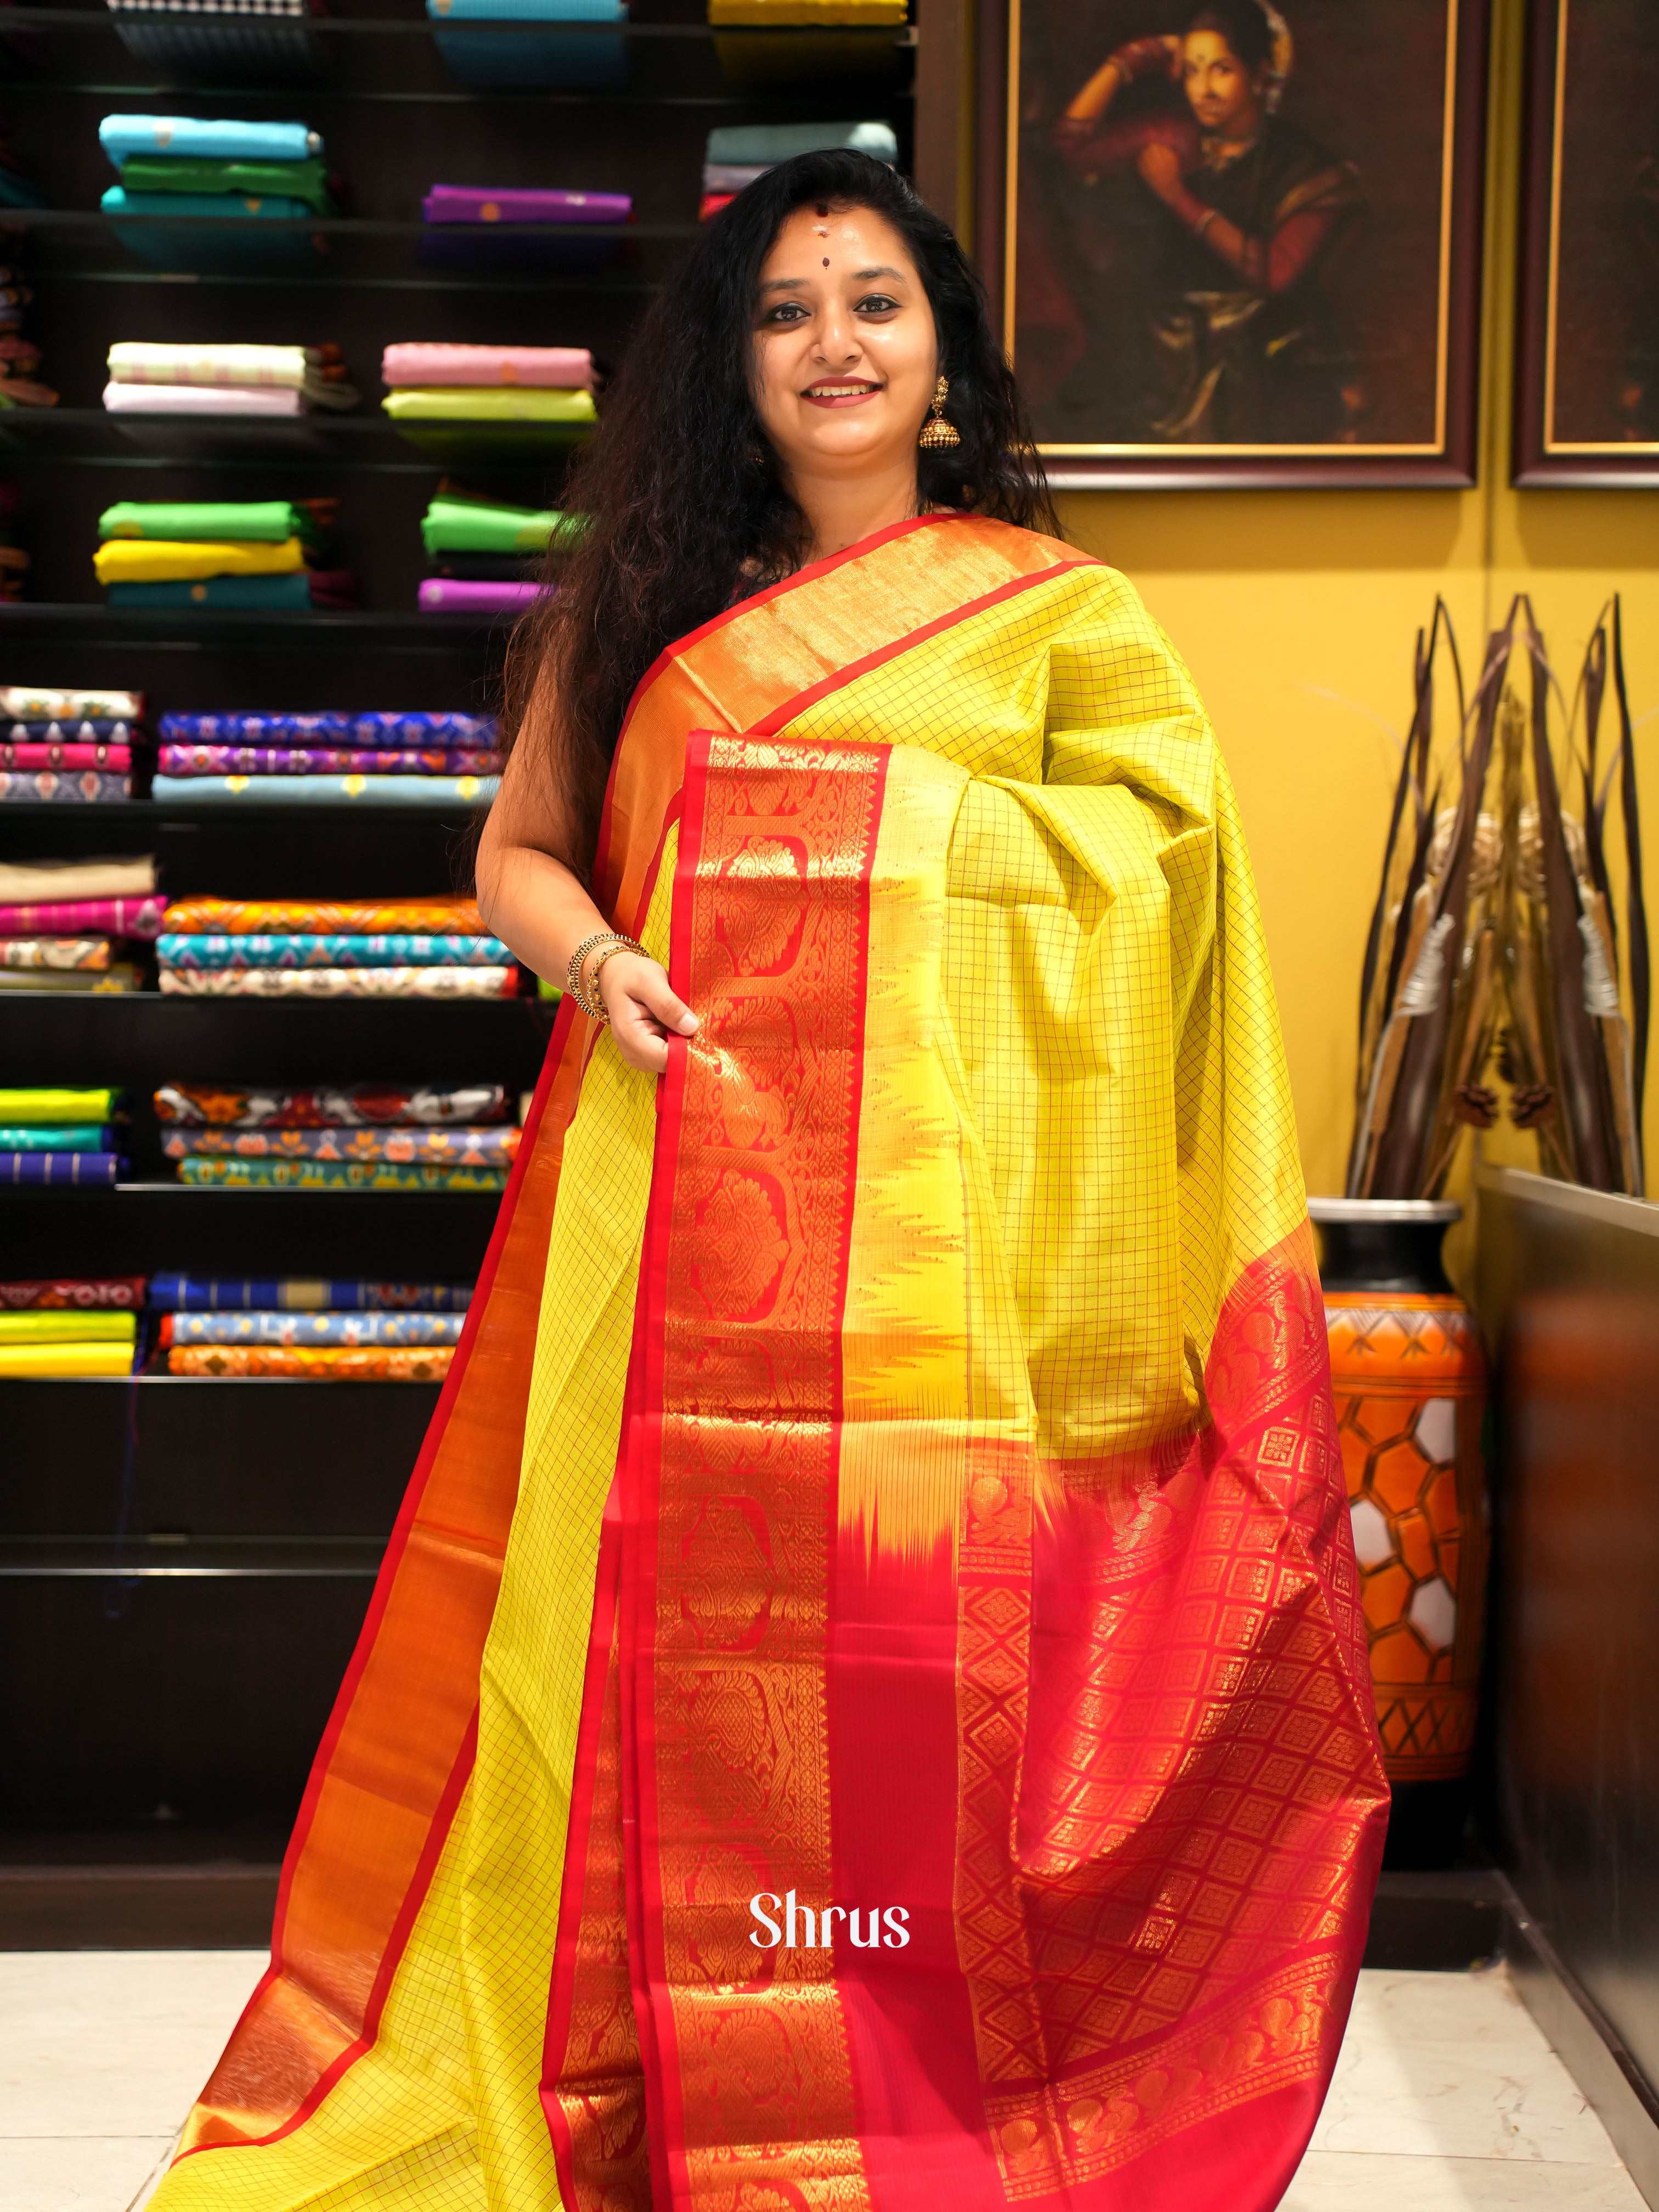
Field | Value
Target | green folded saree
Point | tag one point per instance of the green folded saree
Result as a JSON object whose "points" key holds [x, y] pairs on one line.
{"points": [[50, 1137], [297, 180], [479, 402], [72, 1327], [269, 520], [465, 526], [44, 1105]]}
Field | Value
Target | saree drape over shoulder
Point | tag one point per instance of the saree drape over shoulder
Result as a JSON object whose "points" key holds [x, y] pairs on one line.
{"points": [[866, 1707]]}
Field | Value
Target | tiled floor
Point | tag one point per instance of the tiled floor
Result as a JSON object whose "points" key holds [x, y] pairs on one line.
{"points": [[1446, 2096]]}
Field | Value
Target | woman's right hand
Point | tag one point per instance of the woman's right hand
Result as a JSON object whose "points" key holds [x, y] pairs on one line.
{"points": [[644, 1010]]}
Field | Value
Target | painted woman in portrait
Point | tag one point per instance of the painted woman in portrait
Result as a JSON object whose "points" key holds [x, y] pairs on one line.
{"points": [[1200, 220]]}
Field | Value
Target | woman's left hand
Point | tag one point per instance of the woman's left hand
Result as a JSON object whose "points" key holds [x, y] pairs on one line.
{"points": [[1159, 166]]}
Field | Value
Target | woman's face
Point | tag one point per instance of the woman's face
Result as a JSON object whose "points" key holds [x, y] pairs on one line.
{"points": [[846, 355], [1224, 97]]}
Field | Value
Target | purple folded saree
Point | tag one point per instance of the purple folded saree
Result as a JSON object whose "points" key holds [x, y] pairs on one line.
{"points": [[442, 594], [483, 204], [321, 760], [380, 731]]}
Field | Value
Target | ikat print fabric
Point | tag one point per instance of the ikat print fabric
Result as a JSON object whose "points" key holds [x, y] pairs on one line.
{"points": [[464, 793], [301, 1328], [401, 982], [324, 1363], [209, 953], [356, 1106], [296, 1294], [317, 760], [341, 1175], [41, 787], [88, 1293], [454, 1148], [378, 732], [256, 917]]}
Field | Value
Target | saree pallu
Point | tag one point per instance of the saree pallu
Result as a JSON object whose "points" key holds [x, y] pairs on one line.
{"points": [[865, 1706]]}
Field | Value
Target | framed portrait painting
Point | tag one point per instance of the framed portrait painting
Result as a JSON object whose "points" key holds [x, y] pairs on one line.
{"points": [[1237, 241], [1587, 400]]}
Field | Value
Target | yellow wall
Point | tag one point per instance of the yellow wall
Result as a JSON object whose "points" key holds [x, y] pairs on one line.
{"points": [[1279, 600]]}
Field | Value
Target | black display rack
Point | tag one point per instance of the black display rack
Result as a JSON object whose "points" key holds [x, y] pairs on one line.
{"points": [[184, 1564]]}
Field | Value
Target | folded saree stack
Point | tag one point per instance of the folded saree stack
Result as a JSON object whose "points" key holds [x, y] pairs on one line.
{"points": [[339, 1331], [233, 554], [71, 1326], [19, 357], [393, 1137], [738, 152], [510, 57], [414, 759], [482, 555], [57, 1138], [71, 748], [63, 923], [856, 38], [521, 226], [312, 949], [479, 401], [197, 193], [260, 380], [222, 41]]}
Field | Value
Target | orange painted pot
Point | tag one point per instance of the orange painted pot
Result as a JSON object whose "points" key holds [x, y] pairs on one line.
{"points": [[1410, 1383]]}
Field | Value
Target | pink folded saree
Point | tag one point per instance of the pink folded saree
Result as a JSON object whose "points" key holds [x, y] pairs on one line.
{"points": [[468, 596], [541, 368]]}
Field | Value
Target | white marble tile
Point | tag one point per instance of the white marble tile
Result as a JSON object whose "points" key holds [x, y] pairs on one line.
{"points": [[1355, 2181], [113, 2043], [1453, 2066], [75, 2174]]}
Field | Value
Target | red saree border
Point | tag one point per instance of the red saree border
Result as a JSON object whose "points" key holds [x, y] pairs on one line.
{"points": [[659, 1817], [408, 1510]]}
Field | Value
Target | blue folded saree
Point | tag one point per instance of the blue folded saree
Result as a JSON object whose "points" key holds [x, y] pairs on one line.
{"points": [[327, 790], [215, 138]]}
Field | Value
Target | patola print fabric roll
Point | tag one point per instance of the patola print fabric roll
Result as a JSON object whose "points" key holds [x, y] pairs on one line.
{"points": [[302, 1294], [90, 1294], [319, 760], [63, 787], [312, 1329], [361, 1105], [436, 917], [461, 733], [341, 1175], [469, 1148], [330, 951], [139, 918], [329, 1363], [342, 982]]}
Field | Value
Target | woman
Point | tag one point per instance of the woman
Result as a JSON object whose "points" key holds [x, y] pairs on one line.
{"points": [[866, 1694], [1240, 341]]}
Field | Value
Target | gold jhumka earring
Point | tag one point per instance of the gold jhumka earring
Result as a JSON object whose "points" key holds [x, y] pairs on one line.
{"points": [[936, 431]]}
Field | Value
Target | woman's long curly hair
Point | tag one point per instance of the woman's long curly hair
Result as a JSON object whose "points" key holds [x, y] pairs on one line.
{"points": [[687, 509]]}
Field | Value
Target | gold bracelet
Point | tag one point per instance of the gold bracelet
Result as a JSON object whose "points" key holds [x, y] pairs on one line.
{"points": [[588, 999]]}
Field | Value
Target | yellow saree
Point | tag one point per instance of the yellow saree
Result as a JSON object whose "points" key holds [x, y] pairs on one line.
{"points": [[868, 1690]]}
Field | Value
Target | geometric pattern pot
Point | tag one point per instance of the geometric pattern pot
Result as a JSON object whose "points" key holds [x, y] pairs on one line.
{"points": [[1410, 1383]]}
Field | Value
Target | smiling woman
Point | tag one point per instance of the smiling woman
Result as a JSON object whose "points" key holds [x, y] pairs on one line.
{"points": [[892, 1455]]}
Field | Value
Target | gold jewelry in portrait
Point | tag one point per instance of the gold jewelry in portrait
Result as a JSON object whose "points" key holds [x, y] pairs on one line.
{"points": [[936, 431]]}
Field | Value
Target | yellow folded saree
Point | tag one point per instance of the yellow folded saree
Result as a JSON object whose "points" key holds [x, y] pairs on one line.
{"points": [[865, 1706], [161, 561]]}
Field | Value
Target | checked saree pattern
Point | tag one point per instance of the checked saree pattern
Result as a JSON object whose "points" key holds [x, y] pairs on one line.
{"points": [[894, 1461]]}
